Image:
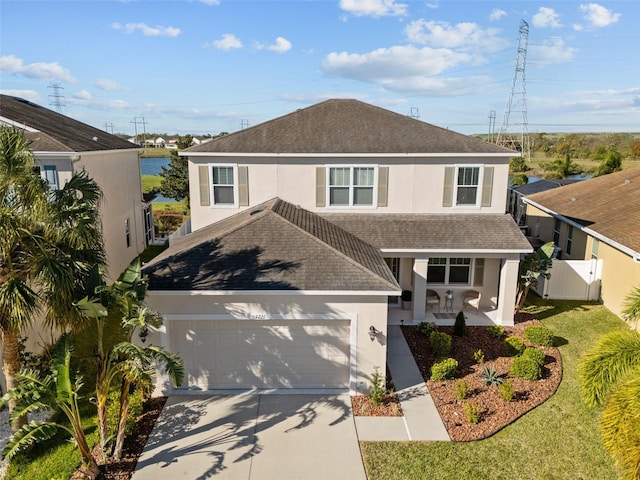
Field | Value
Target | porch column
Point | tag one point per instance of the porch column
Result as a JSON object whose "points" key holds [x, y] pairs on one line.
{"points": [[420, 288], [507, 293]]}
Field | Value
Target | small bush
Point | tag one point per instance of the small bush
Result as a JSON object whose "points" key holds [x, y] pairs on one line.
{"points": [[514, 346], [478, 356], [461, 389], [427, 327], [460, 325], [490, 376], [377, 391], [444, 369], [539, 335], [526, 367], [472, 410], [534, 354], [440, 343], [136, 407], [496, 331], [506, 391]]}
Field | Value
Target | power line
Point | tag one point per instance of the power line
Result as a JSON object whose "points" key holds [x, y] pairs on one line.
{"points": [[55, 97], [136, 121]]}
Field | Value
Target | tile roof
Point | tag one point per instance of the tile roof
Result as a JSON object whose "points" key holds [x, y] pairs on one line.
{"points": [[57, 132], [608, 205], [273, 246], [434, 231], [347, 126]]}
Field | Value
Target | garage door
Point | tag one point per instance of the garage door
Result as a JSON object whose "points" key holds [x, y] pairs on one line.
{"points": [[226, 354]]}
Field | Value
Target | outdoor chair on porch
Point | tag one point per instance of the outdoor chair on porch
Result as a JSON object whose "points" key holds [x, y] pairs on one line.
{"points": [[471, 298], [433, 299]]}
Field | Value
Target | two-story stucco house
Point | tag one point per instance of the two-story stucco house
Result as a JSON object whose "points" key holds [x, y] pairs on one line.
{"points": [[599, 219], [307, 229]]}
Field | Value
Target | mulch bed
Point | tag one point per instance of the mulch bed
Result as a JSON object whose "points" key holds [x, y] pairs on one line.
{"points": [[496, 413], [361, 405]]}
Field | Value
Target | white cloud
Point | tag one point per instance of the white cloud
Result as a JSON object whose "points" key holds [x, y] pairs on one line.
{"points": [[228, 42], [82, 95], [30, 95], [441, 34], [39, 70], [546, 18], [497, 14], [552, 51], [599, 16], [282, 45], [146, 30], [106, 84], [374, 8], [433, 5], [577, 27], [210, 2]]}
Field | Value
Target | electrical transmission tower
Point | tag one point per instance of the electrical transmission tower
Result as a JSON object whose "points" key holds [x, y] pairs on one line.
{"points": [[517, 100], [414, 113], [55, 99], [136, 121]]}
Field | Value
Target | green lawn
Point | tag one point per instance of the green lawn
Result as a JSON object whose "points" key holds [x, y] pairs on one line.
{"points": [[557, 440], [150, 182]]}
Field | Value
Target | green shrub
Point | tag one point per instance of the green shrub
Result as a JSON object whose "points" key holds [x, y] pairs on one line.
{"points": [[534, 354], [490, 376], [528, 366], [506, 391], [496, 331], [427, 327], [440, 343], [377, 391], [539, 335], [472, 410], [478, 356], [514, 346], [460, 325], [444, 369], [461, 389], [136, 406]]}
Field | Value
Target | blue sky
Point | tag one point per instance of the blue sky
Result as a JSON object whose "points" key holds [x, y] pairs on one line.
{"points": [[218, 65]]}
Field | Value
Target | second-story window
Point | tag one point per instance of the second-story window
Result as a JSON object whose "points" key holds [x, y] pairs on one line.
{"points": [[569, 240], [224, 186], [467, 185], [351, 186], [556, 232]]}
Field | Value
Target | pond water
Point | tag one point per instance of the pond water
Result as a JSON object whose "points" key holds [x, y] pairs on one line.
{"points": [[152, 166]]}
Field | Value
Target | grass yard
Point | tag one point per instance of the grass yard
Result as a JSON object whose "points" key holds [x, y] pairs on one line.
{"points": [[558, 440], [150, 182]]}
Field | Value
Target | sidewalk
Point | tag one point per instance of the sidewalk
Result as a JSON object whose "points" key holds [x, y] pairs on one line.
{"points": [[421, 420]]}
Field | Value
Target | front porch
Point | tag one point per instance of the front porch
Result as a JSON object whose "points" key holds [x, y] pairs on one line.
{"points": [[484, 317]]}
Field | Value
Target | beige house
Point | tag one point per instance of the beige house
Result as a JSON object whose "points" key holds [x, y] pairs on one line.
{"points": [[597, 218], [309, 229]]}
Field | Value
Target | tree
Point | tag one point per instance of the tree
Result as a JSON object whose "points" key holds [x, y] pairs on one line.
{"points": [[48, 239], [175, 178], [57, 391], [612, 163], [631, 310], [610, 375], [561, 168], [533, 266]]}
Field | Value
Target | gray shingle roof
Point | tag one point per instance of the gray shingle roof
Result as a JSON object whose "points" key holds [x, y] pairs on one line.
{"points": [[57, 132], [542, 185], [608, 205], [434, 231], [273, 246], [347, 126]]}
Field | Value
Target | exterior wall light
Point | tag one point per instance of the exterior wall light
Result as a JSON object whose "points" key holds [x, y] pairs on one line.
{"points": [[373, 332]]}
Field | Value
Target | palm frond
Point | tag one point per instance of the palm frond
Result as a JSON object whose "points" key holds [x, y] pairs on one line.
{"points": [[29, 434], [172, 363], [615, 356], [631, 310]]}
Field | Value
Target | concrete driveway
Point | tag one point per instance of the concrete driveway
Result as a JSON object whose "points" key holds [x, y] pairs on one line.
{"points": [[253, 437]]}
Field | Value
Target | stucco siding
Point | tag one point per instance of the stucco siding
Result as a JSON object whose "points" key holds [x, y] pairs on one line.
{"points": [[620, 274]]}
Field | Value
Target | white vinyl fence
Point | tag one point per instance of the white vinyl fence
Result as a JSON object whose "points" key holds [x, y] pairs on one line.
{"points": [[572, 280]]}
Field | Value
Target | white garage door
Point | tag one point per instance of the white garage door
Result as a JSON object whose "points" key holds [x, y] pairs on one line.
{"points": [[225, 354]]}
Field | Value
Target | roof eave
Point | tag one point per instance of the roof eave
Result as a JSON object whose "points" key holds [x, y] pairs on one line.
{"points": [[342, 155]]}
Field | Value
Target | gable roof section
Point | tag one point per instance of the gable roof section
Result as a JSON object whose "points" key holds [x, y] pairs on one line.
{"points": [[347, 126], [273, 246], [437, 232], [542, 185], [51, 131], [608, 205]]}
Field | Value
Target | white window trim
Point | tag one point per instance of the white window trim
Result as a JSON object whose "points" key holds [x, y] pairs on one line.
{"points": [[374, 203], [236, 201], [447, 270], [480, 168]]}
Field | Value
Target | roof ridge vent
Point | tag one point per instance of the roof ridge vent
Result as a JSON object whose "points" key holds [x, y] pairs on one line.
{"points": [[256, 210]]}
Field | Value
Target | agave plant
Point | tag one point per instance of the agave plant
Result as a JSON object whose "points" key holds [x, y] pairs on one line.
{"points": [[490, 376]]}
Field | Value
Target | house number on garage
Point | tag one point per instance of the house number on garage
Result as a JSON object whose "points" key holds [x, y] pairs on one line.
{"points": [[257, 316]]}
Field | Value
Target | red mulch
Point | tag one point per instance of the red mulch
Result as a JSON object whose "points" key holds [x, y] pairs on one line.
{"points": [[390, 407], [496, 413]]}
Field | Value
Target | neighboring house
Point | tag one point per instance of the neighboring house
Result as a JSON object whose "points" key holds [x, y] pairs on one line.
{"points": [[63, 146], [308, 227], [597, 218]]}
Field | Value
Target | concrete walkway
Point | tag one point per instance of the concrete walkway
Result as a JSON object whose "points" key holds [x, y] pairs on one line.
{"points": [[421, 420]]}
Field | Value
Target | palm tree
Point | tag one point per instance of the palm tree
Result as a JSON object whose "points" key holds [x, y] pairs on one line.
{"points": [[561, 168], [631, 311], [610, 376], [48, 240], [56, 391]]}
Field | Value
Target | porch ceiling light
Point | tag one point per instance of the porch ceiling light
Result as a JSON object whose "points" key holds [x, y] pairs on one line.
{"points": [[373, 332]]}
